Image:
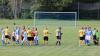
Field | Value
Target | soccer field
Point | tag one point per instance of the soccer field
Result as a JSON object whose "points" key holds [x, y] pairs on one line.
{"points": [[69, 45]]}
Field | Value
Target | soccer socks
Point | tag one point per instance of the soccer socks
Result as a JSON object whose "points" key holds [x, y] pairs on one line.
{"points": [[58, 43]]}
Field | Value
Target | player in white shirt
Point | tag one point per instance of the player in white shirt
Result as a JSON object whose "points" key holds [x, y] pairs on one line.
{"points": [[25, 41], [88, 36], [36, 37], [3, 37]]}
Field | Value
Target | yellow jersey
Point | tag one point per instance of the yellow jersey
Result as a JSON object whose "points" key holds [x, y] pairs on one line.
{"points": [[6, 31], [81, 33], [57, 30], [29, 33], [45, 32]]}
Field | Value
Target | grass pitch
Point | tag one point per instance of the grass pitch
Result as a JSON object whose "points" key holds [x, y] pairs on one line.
{"points": [[69, 45]]}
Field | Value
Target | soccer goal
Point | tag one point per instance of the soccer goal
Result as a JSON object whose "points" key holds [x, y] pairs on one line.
{"points": [[70, 18]]}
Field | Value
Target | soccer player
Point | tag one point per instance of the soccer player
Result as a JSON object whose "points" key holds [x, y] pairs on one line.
{"points": [[58, 35], [36, 37], [13, 37], [97, 37], [17, 33], [33, 33], [30, 38], [46, 34], [25, 41], [81, 36], [22, 32], [94, 37], [3, 37], [88, 36], [7, 37]]}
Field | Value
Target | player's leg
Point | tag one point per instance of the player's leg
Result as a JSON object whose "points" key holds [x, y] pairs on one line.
{"points": [[84, 40], [27, 43], [57, 40], [3, 43], [98, 41], [31, 41], [44, 38], [88, 41], [47, 39], [94, 39], [16, 39], [36, 40], [22, 43], [6, 41], [80, 41], [12, 40], [21, 39]]}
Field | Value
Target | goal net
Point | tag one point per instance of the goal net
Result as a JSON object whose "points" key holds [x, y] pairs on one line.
{"points": [[55, 18]]}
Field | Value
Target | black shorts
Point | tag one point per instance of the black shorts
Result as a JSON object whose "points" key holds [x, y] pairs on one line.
{"points": [[45, 38], [7, 36], [13, 38], [30, 39], [81, 38], [94, 37], [58, 37]]}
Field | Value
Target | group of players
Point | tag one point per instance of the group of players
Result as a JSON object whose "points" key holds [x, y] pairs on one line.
{"points": [[86, 34], [26, 36]]}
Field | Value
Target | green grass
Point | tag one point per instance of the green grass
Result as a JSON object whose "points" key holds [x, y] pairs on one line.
{"points": [[69, 39]]}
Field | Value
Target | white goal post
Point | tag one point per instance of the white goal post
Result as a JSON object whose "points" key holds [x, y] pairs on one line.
{"points": [[75, 16]]}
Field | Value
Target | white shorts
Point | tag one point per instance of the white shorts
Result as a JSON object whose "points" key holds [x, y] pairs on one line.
{"points": [[3, 38], [24, 39], [36, 38], [88, 37], [17, 37]]}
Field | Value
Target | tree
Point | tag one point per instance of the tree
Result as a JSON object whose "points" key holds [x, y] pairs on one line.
{"points": [[50, 5], [16, 8]]}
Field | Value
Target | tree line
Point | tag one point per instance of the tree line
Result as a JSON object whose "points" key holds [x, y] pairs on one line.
{"points": [[14, 9]]}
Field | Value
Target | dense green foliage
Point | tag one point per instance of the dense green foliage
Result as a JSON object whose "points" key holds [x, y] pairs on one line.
{"points": [[25, 8]]}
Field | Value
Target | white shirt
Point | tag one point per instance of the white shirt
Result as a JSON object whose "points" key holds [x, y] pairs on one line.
{"points": [[3, 35]]}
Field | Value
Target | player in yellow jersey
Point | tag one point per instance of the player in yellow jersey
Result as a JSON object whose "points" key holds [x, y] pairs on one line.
{"points": [[46, 34], [30, 38], [81, 36], [7, 37]]}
